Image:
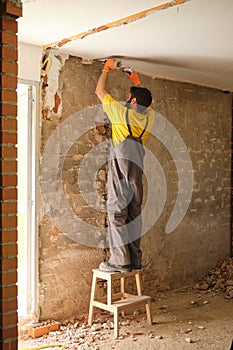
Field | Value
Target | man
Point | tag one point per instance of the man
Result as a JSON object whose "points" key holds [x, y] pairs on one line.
{"points": [[130, 128]]}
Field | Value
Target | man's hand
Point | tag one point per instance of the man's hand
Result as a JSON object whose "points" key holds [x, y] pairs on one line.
{"points": [[133, 76], [101, 84], [109, 65]]}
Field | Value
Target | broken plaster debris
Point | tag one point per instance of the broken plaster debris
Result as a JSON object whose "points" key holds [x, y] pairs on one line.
{"points": [[117, 23], [188, 340], [219, 279], [76, 334]]}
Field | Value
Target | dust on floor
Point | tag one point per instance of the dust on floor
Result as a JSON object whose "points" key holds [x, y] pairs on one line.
{"points": [[186, 319], [196, 318]]}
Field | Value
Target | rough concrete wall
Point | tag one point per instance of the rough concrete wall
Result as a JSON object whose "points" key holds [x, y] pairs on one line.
{"points": [[65, 265], [202, 116]]}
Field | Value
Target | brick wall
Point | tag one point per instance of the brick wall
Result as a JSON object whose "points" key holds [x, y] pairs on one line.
{"points": [[10, 11]]}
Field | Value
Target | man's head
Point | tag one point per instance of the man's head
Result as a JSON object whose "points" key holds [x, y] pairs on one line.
{"points": [[140, 96]]}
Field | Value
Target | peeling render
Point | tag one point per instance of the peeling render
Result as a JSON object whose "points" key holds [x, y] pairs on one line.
{"points": [[51, 101], [117, 23]]}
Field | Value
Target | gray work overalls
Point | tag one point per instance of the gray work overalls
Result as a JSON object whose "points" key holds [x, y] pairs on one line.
{"points": [[125, 192]]}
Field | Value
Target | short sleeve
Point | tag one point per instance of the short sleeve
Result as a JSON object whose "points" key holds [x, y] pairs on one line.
{"points": [[114, 109]]}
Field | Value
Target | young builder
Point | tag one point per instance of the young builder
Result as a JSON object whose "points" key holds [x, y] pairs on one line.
{"points": [[130, 128]]}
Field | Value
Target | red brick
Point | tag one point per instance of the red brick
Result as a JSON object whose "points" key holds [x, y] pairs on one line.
{"points": [[9, 39], [9, 292], [36, 332], [9, 137], [8, 222], [9, 81], [9, 152], [9, 277], [9, 180], [9, 333], [8, 207], [9, 193], [11, 345], [8, 320], [9, 166], [9, 305], [6, 346], [9, 264], [8, 124], [9, 95], [9, 250], [9, 67], [11, 9], [10, 53], [9, 236], [9, 110], [10, 25]]}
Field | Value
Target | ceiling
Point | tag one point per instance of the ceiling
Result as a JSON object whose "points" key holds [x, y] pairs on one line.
{"points": [[183, 40]]}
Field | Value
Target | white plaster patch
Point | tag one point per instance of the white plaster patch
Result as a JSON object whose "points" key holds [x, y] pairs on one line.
{"points": [[53, 79]]}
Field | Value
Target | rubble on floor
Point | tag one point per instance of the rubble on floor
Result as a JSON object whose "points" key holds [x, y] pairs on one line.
{"points": [[77, 335], [220, 278]]}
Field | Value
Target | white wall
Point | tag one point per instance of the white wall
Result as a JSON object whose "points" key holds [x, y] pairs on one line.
{"points": [[29, 62]]}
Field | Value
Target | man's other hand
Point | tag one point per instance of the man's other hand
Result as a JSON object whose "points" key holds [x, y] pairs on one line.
{"points": [[109, 65], [133, 76]]}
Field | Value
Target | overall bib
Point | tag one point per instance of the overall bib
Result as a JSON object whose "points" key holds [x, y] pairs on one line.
{"points": [[125, 193]]}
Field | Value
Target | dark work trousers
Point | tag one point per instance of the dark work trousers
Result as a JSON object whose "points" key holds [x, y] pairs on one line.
{"points": [[125, 192]]}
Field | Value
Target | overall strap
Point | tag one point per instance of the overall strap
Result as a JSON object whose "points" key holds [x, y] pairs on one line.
{"points": [[127, 121], [145, 126], [129, 127]]}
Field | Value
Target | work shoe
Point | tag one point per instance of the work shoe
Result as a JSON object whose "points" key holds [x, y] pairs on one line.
{"points": [[107, 267]]}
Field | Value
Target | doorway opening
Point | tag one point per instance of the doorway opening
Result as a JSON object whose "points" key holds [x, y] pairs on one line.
{"points": [[27, 198]]}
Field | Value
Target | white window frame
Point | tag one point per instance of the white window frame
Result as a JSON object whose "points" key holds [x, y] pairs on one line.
{"points": [[31, 309]]}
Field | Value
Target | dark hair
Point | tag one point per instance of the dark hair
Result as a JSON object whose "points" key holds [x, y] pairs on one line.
{"points": [[143, 95]]}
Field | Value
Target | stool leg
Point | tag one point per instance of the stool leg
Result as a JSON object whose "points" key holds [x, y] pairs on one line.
{"points": [[109, 291], [148, 312], [138, 283], [116, 323], [122, 292], [122, 286], [93, 292]]}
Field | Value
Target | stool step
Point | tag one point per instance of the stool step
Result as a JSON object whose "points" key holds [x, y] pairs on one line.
{"points": [[123, 304], [129, 302]]}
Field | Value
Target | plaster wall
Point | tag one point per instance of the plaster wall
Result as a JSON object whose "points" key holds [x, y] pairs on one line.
{"points": [[202, 116]]}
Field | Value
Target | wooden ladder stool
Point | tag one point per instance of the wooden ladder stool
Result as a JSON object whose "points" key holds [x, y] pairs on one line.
{"points": [[117, 302]]}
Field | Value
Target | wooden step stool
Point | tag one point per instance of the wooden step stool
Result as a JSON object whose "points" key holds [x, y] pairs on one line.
{"points": [[118, 302]]}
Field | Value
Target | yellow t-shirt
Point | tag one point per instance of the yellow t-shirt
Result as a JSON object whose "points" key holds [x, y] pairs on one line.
{"points": [[116, 113]]}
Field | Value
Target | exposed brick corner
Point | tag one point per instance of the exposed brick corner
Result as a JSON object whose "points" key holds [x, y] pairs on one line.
{"points": [[9, 12], [11, 8]]}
